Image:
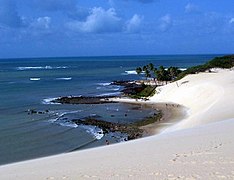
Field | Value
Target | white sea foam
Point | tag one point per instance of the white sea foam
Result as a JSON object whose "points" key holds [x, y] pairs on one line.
{"points": [[64, 78], [130, 72], [49, 100], [35, 79], [95, 131], [183, 69], [39, 67], [64, 112], [104, 84], [68, 124], [110, 94], [61, 119], [53, 120], [115, 89], [63, 123]]}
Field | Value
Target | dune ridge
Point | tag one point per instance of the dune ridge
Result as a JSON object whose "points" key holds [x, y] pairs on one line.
{"points": [[200, 146], [208, 97]]}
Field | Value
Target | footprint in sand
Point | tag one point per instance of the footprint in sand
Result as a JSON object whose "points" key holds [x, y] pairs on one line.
{"points": [[86, 176], [155, 174], [177, 156], [50, 178]]}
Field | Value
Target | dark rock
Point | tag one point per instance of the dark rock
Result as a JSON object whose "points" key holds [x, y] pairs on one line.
{"points": [[33, 111], [84, 100], [132, 131], [121, 83]]}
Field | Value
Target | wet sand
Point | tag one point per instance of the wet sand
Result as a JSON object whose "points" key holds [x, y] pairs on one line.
{"points": [[172, 114], [199, 146]]}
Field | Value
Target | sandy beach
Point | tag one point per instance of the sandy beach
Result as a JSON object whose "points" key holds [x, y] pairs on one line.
{"points": [[172, 113], [198, 145]]}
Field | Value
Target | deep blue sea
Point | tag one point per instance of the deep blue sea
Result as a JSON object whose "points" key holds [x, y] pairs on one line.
{"points": [[30, 84]]}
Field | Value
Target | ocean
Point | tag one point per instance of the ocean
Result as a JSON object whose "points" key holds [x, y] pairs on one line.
{"points": [[31, 83]]}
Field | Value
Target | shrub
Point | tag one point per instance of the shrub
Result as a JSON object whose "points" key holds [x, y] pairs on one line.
{"points": [[218, 62]]}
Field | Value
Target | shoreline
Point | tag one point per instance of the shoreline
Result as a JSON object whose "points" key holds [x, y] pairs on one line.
{"points": [[200, 146], [172, 113]]}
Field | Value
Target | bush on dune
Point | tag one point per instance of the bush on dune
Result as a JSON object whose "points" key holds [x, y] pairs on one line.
{"points": [[225, 62]]}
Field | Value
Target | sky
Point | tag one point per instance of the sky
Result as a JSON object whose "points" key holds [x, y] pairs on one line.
{"points": [[60, 28]]}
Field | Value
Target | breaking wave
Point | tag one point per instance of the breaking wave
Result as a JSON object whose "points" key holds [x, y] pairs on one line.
{"points": [[63, 119], [39, 67], [64, 78], [35, 79]]}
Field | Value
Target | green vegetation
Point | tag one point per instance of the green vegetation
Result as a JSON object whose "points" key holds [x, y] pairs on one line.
{"points": [[161, 74], [218, 62], [146, 92], [139, 70], [173, 73]]}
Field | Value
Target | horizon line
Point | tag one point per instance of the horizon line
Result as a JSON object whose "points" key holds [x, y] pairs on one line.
{"points": [[100, 56]]}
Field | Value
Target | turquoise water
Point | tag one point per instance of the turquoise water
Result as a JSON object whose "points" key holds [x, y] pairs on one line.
{"points": [[29, 83]]}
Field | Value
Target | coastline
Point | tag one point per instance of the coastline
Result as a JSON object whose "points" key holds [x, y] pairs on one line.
{"points": [[165, 115], [171, 114], [201, 140]]}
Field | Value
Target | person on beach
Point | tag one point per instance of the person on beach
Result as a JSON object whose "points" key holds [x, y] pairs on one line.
{"points": [[107, 142]]}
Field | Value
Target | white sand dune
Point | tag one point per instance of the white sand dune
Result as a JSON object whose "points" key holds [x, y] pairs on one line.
{"points": [[208, 96], [198, 147]]}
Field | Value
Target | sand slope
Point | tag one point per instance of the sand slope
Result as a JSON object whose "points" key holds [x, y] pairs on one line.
{"points": [[204, 152], [199, 147], [208, 96]]}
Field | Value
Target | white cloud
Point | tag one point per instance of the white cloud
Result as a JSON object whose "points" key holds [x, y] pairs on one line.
{"points": [[134, 24], [165, 22], [231, 21], [98, 21], [191, 8], [42, 23]]}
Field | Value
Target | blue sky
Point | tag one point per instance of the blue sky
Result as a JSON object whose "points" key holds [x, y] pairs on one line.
{"points": [[53, 28]]}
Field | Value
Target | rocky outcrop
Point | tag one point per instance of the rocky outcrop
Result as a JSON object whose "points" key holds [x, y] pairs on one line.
{"points": [[130, 87], [83, 100], [133, 130]]}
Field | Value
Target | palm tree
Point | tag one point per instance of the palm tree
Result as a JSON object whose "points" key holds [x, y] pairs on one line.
{"points": [[147, 73], [151, 67], [173, 72], [138, 70], [144, 68], [162, 74]]}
